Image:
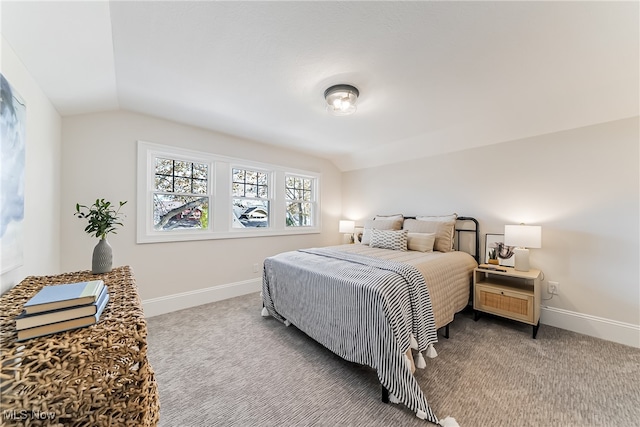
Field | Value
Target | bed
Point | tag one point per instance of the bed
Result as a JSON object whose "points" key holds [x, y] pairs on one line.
{"points": [[375, 303]]}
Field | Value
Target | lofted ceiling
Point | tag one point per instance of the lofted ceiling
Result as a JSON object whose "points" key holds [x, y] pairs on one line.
{"points": [[434, 77]]}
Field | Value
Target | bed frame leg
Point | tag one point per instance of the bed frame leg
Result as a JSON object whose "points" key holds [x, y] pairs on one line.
{"points": [[385, 395], [445, 333]]}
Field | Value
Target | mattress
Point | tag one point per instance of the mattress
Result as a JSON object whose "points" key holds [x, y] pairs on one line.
{"points": [[448, 275]]}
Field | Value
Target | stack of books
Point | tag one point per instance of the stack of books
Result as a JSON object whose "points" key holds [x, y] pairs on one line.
{"points": [[57, 308]]}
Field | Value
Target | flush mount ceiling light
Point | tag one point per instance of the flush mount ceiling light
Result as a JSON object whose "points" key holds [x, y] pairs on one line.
{"points": [[341, 99]]}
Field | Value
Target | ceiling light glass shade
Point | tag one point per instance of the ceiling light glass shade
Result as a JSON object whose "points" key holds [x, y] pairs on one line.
{"points": [[341, 99]]}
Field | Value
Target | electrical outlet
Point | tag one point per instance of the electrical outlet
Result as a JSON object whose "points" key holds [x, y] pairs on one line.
{"points": [[553, 287], [256, 268]]}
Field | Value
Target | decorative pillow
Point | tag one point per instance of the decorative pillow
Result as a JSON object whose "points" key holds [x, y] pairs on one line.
{"points": [[389, 239], [398, 218], [444, 232], [394, 216], [443, 218], [421, 242], [379, 224]]}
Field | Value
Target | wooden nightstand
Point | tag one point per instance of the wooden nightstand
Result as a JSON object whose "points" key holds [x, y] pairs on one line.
{"points": [[505, 292]]}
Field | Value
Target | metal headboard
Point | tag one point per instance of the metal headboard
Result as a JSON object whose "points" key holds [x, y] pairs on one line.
{"points": [[474, 230]]}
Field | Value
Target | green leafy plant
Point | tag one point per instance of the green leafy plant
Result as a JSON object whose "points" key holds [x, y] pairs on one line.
{"points": [[492, 254], [102, 216]]}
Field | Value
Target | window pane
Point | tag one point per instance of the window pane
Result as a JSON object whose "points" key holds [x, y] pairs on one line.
{"points": [[182, 168], [248, 183], [250, 213], [299, 214], [250, 191], [172, 211], [164, 183], [182, 185], [299, 188], [199, 186], [237, 189], [200, 171], [175, 176], [164, 166], [289, 182]]}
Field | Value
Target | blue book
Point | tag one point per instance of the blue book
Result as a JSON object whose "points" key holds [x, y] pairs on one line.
{"points": [[25, 321], [80, 322], [53, 297]]}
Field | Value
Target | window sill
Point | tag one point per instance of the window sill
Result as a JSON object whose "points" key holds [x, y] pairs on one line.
{"points": [[192, 235]]}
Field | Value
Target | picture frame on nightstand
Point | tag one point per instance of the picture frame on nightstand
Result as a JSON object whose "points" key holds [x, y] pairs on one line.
{"points": [[496, 241], [357, 235]]}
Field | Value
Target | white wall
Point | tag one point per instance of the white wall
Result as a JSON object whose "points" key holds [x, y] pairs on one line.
{"points": [[581, 186], [41, 225], [99, 161]]}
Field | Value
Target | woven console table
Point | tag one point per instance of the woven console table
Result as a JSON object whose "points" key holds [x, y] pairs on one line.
{"points": [[93, 376]]}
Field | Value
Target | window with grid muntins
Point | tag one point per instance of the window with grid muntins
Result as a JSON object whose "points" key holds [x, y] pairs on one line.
{"points": [[184, 195], [180, 196], [300, 201], [250, 192]]}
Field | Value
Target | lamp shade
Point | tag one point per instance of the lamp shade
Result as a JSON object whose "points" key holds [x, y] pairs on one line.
{"points": [[347, 226], [523, 236]]}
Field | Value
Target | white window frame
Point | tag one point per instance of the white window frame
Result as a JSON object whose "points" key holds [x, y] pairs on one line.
{"points": [[270, 173], [220, 195], [313, 201]]}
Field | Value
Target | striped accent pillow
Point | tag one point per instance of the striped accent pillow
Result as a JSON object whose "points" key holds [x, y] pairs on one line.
{"points": [[389, 239]]}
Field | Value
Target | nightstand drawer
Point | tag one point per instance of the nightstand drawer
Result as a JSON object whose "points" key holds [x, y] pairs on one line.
{"points": [[513, 304]]}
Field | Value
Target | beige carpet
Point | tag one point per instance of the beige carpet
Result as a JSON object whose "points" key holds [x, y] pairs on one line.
{"points": [[222, 364]]}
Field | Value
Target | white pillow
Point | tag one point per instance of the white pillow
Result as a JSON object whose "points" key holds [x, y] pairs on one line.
{"points": [[421, 242], [395, 216], [389, 239], [443, 218]]}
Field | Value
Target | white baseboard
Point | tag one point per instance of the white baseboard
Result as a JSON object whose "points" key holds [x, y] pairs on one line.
{"points": [[606, 329], [167, 304]]}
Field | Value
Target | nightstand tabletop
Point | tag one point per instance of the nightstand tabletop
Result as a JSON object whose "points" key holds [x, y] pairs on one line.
{"points": [[508, 271]]}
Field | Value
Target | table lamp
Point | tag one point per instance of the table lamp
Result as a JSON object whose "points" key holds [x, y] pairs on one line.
{"points": [[523, 237], [347, 227]]}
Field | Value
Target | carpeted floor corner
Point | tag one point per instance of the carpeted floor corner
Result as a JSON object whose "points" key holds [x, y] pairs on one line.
{"points": [[222, 364]]}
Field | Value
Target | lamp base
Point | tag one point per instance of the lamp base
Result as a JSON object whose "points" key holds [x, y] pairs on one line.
{"points": [[347, 238], [522, 259]]}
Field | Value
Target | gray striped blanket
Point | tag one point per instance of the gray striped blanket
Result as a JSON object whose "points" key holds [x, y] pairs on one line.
{"points": [[363, 309]]}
